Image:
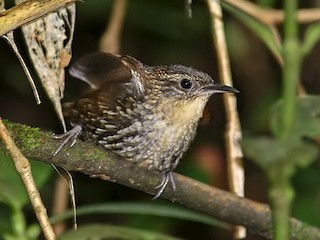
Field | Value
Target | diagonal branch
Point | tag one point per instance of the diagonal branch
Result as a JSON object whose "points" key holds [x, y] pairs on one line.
{"points": [[91, 160]]}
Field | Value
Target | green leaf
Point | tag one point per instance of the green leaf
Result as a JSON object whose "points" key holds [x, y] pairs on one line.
{"points": [[307, 121], [5, 225], [306, 204], [104, 231], [274, 155], [263, 31], [33, 231], [142, 208], [279, 158], [13, 192], [311, 37], [266, 3]]}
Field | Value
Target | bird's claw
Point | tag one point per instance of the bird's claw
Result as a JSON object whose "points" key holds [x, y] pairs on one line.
{"points": [[68, 137], [166, 177]]}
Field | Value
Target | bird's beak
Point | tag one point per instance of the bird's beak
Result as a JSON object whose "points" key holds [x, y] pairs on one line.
{"points": [[219, 88]]}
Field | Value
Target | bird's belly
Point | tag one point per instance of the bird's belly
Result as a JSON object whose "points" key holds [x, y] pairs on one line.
{"points": [[156, 140], [164, 146]]}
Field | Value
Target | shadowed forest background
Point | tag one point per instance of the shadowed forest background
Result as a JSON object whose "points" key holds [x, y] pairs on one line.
{"points": [[156, 33]]}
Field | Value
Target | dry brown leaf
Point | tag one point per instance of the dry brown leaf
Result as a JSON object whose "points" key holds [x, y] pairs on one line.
{"points": [[49, 42]]}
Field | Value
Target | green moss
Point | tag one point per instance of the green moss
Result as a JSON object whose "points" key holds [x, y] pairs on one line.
{"points": [[28, 137], [91, 153]]}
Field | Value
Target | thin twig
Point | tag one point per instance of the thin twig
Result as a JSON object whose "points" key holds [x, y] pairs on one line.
{"points": [[23, 168], [10, 39], [110, 40], [233, 131], [273, 16], [60, 202]]}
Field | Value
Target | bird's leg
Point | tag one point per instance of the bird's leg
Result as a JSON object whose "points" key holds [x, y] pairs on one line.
{"points": [[69, 137], [166, 177]]}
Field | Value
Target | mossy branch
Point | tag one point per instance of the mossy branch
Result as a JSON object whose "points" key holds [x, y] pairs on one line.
{"points": [[95, 162]]}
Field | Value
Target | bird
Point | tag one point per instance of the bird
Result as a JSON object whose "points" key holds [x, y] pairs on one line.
{"points": [[145, 114]]}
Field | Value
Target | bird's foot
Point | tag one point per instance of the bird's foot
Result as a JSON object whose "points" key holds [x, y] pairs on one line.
{"points": [[69, 137], [166, 177]]}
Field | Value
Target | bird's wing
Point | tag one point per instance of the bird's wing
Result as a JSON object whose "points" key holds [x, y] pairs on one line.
{"points": [[115, 85]]}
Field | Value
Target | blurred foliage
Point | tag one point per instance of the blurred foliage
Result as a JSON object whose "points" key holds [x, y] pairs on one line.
{"points": [[100, 231], [13, 198], [159, 32], [143, 209]]}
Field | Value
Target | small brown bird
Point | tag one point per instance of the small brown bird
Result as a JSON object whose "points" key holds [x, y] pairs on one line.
{"points": [[146, 114]]}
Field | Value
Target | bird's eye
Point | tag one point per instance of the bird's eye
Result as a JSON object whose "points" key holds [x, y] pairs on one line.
{"points": [[186, 83]]}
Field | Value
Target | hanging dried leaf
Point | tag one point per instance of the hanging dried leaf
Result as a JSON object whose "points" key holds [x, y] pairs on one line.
{"points": [[49, 42]]}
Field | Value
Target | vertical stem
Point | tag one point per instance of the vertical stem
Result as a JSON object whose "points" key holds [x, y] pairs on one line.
{"points": [[291, 69], [233, 129], [281, 195], [290, 20], [281, 192]]}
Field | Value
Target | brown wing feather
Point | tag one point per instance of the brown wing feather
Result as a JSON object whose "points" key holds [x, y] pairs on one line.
{"points": [[100, 68], [113, 84]]}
